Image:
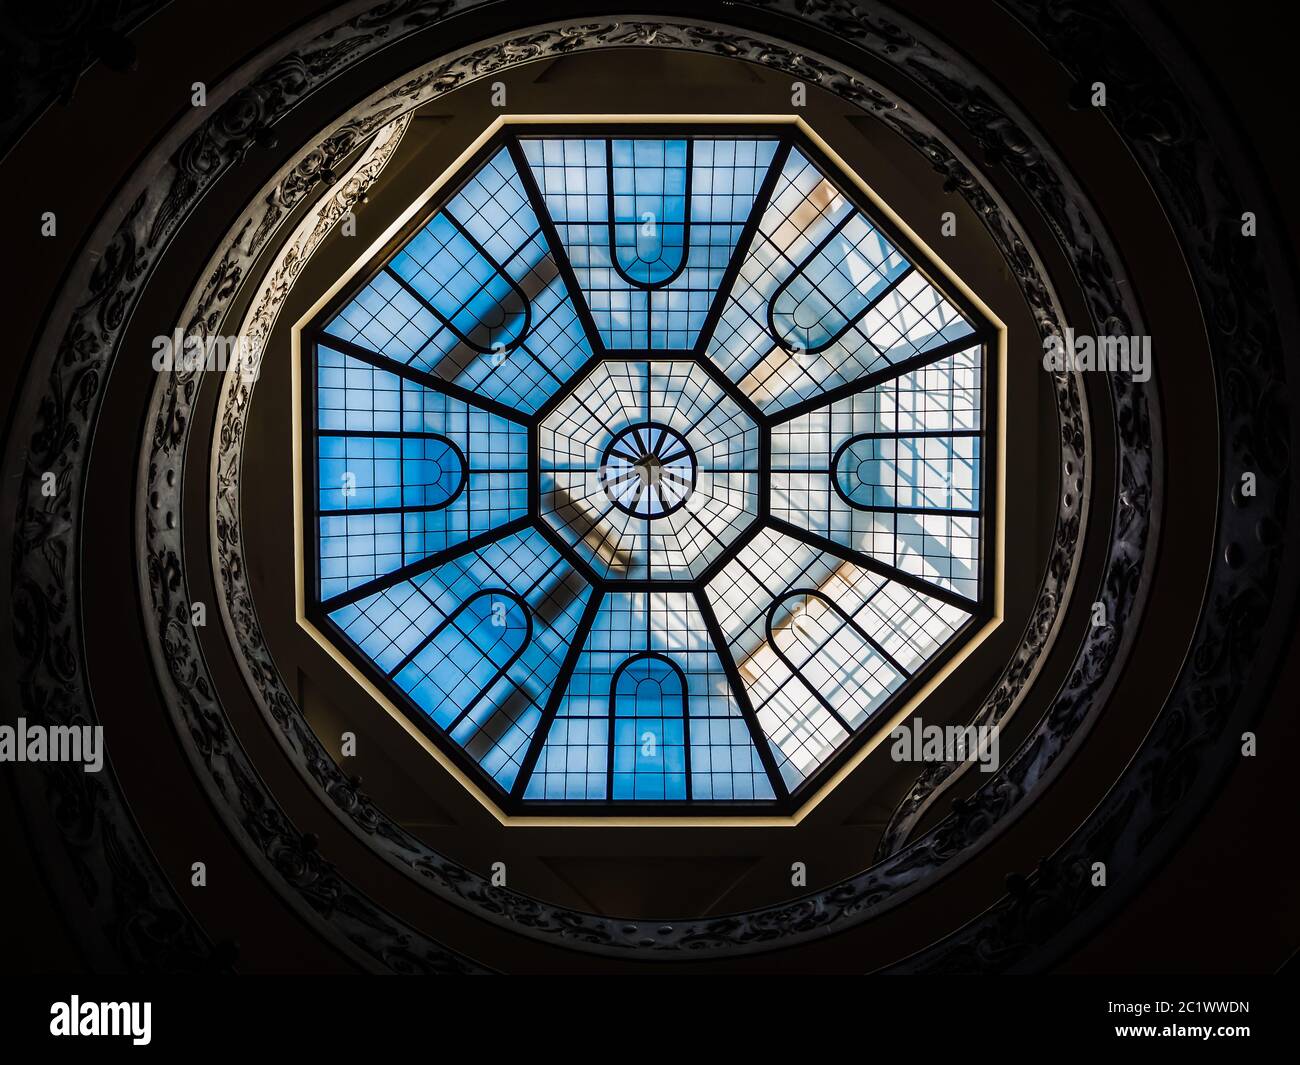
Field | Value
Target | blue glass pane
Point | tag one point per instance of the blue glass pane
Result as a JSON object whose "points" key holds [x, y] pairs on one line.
{"points": [[835, 286], [518, 491], [649, 226], [476, 643], [404, 472], [651, 200], [893, 471], [475, 298], [823, 298]]}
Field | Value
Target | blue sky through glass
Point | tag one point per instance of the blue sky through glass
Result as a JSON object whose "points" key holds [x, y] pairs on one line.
{"points": [[649, 226], [721, 639]]}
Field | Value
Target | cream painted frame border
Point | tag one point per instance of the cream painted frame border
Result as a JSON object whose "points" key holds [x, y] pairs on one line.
{"points": [[883, 728]]}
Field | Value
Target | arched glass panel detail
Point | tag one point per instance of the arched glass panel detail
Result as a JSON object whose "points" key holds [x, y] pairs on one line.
{"points": [[649, 468], [725, 756], [895, 471], [650, 225], [889, 471], [843, 278], [649, 208], [820, 656], [835, 659], [475, 299], [403, 472], [451, 669], [388, 472], [649, 745], [824, 297]]}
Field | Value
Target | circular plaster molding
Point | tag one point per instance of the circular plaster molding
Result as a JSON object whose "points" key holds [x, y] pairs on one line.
{"points": [[888, 883], [59, 411]]}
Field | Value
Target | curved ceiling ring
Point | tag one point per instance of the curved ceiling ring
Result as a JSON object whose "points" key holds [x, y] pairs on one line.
{"points": [[1252, 590], [135, 918], [284, 855], [411, 854], [1273, 500]]}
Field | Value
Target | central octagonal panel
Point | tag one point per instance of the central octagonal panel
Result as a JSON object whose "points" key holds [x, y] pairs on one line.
{"points": [[649, 469], [646, 468]]}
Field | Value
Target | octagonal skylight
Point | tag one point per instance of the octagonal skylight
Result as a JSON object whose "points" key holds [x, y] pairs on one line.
{"points": [[649, 471]]}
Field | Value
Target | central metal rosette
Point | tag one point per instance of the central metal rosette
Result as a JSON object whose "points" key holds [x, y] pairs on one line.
{"points": [[649, 469]]}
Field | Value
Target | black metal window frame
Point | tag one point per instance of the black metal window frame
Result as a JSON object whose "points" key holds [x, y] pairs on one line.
{"points": [[787, 801]]}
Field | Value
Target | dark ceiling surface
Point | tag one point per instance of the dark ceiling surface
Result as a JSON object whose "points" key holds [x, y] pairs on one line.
{"points": [[1122, 743]]}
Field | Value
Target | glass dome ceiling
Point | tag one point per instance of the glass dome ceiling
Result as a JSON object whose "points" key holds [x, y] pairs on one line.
{"points": [[647, 472]]}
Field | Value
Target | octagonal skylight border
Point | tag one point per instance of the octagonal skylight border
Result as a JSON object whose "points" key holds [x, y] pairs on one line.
{"points": [[734, 687]]}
